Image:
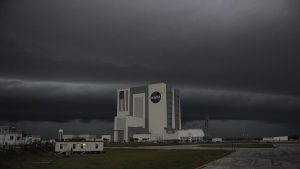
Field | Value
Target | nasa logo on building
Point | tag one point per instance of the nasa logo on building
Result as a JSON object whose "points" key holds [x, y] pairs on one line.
{"points": [[155, 97]]}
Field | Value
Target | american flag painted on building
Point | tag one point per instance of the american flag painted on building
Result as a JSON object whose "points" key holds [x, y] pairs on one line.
{"points": [[123, 100]]}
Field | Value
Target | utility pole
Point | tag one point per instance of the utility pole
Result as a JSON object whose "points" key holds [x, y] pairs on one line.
{"points": [[206, 125]]}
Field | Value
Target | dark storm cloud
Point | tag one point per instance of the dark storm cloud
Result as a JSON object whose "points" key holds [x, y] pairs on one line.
{"points": [[222, 104], [55, 101], [240, 58]]}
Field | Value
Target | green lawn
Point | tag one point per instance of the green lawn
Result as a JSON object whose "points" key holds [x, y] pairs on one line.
{"points": [[238, 145], [112, 159], [139, 144]]}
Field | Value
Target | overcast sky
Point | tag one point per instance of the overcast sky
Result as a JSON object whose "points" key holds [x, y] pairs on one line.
{"points": [[62, 60]]}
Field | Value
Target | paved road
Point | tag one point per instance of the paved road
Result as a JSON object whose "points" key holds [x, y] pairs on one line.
{"points": [[283, 156]]}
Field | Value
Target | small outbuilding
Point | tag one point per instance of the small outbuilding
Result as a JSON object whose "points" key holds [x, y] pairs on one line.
{"points": [[73, 146]]}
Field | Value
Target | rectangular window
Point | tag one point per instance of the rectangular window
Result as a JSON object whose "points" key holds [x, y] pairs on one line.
{"points": [[81, 146], [18, 138], [96, 146], [61, 146], [74, 146], [11, 137]]}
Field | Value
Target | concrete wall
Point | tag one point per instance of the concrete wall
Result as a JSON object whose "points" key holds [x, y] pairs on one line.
{"points": [[157, 111]]}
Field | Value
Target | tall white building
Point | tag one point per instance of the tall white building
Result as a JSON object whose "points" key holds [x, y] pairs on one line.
{"points": [[153, 109]]}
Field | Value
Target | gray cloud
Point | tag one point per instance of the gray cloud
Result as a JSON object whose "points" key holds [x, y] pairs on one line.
{"points": [[239, 59], [225, 104], [63, 101], [55, 101]]}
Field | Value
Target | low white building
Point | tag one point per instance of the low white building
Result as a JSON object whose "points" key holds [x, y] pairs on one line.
{"points": [[216, 140], [275, 139], [267, 139], [78, 146], [191, 135], [188, 135]]}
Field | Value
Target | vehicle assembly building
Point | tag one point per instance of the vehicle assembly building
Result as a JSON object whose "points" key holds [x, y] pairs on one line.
{"points": [[152, 111]]}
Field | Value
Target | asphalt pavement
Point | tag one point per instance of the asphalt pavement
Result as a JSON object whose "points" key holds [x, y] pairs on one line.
{"points": [[284, 156]]}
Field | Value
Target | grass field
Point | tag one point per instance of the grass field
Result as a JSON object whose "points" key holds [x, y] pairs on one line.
{"points": [[238, 145], [112, 159], [139, 144]]}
